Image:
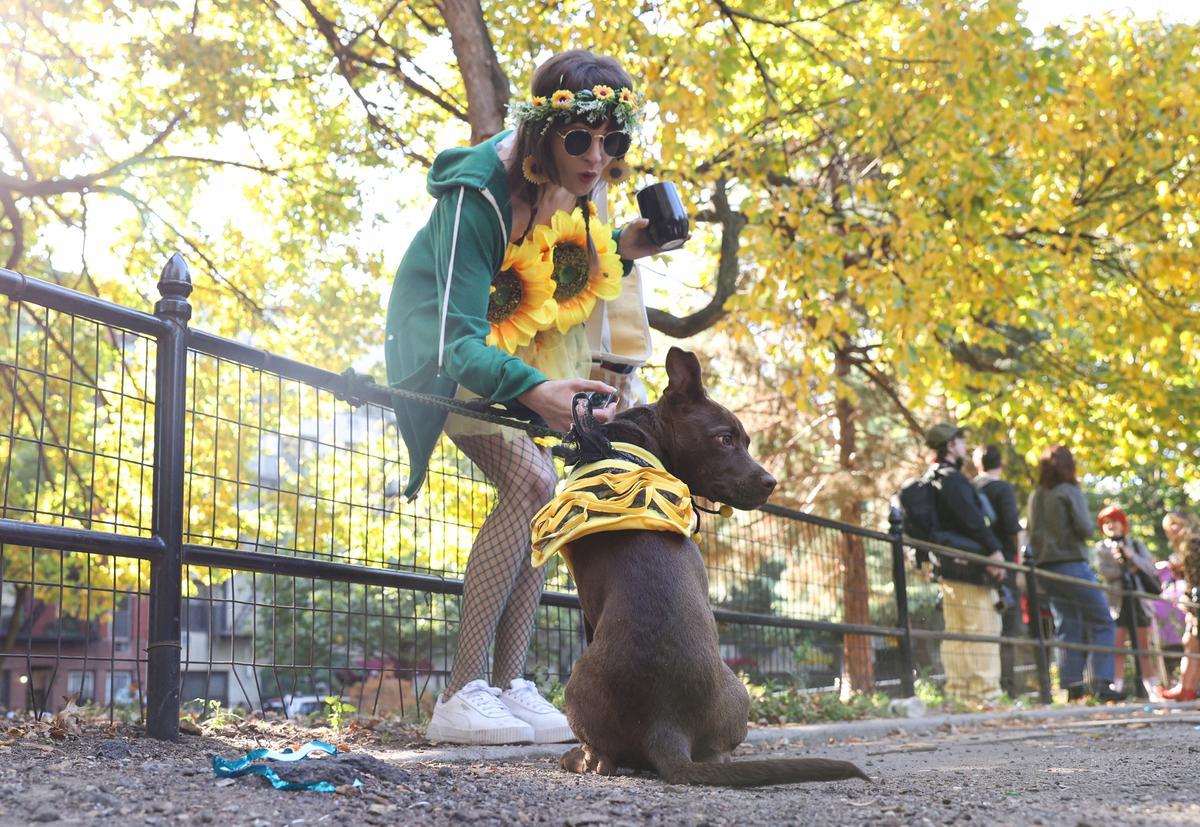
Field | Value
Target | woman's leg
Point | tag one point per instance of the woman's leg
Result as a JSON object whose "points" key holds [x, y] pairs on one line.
{"points": [[1189, 673], [1119, 660], [1149, 667], [1189, 666], [1068, 628], [516, 624], [1099, 627], [500, 588]]}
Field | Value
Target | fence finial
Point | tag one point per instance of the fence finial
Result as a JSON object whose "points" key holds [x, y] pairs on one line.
{"points": [[174, 285]]}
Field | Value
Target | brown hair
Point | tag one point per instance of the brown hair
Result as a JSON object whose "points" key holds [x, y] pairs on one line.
{"points": [[1056, 465], [574, 71], [1189, 527]]}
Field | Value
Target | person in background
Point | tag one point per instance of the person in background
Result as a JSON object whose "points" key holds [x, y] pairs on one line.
{"points": [[1000, 493], [1183, 533], [1059, 528], [1125, 562], [1170, 621], [968, 588]]}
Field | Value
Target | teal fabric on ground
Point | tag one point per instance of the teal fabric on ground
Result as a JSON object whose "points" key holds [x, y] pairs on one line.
{"points": [[246, 765]]}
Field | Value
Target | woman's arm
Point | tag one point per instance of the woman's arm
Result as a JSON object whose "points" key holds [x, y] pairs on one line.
{"points": [[468, 246], [1143, 559], [1033, 526], [1077, 512]]}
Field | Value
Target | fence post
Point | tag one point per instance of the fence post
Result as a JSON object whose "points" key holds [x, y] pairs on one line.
{"points": [[900, 585], [1035, 620], [166, 572]]}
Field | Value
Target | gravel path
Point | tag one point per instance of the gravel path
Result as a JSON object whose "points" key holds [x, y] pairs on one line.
{"points": [[1118, 768]]}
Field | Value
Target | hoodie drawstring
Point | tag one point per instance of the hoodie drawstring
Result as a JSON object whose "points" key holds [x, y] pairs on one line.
{"points": [[462, 191]]}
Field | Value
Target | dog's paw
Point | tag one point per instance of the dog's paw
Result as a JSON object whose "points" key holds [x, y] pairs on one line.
{"points": [[573, 760], [584, 759], [600, 764]]}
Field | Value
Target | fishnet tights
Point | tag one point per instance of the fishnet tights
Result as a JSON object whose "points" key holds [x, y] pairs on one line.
{"points": [[500, 587]]}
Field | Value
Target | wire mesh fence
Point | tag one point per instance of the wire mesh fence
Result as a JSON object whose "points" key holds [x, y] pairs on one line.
{"points": [[305, 574]]}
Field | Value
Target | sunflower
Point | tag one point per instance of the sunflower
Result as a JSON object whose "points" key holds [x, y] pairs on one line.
{"points": [[562, 99], [602, 92], [564, 244], [533, 171], [626, 97], [522, 297], [538, 100], [617, 171]]}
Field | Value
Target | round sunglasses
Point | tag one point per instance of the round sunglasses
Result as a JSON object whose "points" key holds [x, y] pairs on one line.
{"points": [[578, 141]]}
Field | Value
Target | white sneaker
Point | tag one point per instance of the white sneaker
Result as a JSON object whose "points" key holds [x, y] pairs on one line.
{"points": [[525, 702], [473, 715]]}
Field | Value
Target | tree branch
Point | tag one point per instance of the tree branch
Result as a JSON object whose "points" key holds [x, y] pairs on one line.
{"points": [[758, 64], [732, 223], [485, 82], [884, 384], [347, 62], [85, 183], [16, 227], [145, 209]]}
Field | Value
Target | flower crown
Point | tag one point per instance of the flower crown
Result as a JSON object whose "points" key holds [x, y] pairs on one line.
{"points": [[600, 103]]}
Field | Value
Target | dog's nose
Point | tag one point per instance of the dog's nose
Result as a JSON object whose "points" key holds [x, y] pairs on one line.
{"points": [[767, 482]]}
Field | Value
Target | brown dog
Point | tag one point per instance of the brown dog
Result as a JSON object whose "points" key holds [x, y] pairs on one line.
{"points": [[651, 691]]}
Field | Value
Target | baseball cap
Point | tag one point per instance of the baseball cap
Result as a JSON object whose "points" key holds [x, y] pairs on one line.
{"points": [[941, 433]]}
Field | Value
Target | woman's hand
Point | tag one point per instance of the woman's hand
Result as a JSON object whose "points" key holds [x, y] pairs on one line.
{"points": [[552, 400], [635, 240], [996, 572], [1117, 549]]}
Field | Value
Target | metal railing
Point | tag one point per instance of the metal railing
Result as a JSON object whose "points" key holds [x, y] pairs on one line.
{"points": [[184, 517]]}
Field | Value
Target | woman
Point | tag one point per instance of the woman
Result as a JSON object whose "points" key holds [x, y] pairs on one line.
{"points": [[1123, 561], [1170, 619], [1059, 528], [1183, 534], [489, 300]]}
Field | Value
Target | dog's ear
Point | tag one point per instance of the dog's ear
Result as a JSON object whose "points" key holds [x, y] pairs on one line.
{"points": [[683, 371]]}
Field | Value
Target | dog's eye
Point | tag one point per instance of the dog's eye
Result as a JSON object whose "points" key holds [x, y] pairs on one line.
{"points": [[726, 440]]}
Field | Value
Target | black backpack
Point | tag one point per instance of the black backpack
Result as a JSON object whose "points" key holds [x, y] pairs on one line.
{"points": [[918, 503]]}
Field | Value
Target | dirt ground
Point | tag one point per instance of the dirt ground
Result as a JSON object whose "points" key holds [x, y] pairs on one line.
{"points": [[1137, 769]]}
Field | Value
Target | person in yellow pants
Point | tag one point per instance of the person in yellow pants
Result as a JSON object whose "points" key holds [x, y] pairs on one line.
{"points": [[968, 589]]}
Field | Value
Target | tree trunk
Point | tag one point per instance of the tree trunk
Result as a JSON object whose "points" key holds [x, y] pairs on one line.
{"points": [[486, 85], [858, 667]]}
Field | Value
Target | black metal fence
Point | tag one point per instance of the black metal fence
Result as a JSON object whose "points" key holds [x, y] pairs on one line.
{"points": [[185, 518]]}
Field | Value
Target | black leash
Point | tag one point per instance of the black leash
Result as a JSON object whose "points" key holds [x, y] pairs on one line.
{"points": [[511, 414]]}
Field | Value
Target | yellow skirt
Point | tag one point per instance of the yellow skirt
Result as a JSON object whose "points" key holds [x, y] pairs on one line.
{"points": [[557, 355]]}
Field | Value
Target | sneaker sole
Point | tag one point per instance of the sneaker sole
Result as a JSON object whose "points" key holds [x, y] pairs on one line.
{"points": [[479, 737], [555, 735]]}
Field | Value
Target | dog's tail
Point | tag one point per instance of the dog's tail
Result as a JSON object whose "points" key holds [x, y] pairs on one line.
{"points": [[763, 773]]}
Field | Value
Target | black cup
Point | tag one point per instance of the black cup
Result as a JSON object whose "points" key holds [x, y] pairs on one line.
{"points": [[668, 219]]}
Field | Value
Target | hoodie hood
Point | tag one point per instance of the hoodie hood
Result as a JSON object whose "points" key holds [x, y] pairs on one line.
{"points": [[477, 167]]}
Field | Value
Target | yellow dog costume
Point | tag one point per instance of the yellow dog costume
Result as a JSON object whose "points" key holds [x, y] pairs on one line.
{"points": [[630, 490]]}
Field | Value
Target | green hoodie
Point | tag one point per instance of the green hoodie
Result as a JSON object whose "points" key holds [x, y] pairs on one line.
{"points": [[437, 313]]}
